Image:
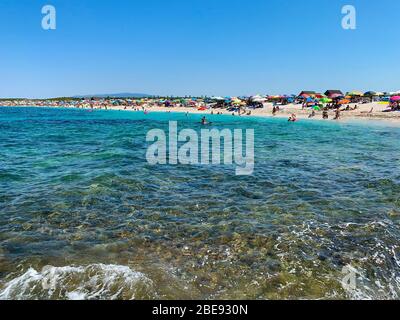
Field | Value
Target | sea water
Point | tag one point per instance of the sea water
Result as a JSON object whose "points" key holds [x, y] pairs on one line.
{"points": [[84, 216]]}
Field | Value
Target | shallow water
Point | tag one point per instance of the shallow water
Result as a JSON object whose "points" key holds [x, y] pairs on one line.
{"points": [[83, 216]]}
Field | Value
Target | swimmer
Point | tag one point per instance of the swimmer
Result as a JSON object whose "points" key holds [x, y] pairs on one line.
{"points": [[292, 118], [204, 121]]}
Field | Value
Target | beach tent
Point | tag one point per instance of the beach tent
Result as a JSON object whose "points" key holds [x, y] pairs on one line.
{"points": [[306, 94], [334, 93]]}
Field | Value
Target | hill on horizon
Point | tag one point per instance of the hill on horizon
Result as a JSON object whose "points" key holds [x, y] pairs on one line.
{"points": [[116, 95]]}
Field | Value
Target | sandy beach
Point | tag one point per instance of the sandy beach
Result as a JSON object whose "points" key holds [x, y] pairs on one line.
{"points": [[363, 112]]}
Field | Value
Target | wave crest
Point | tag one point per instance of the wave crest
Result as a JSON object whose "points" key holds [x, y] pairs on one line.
{"points": [[96, 281]]}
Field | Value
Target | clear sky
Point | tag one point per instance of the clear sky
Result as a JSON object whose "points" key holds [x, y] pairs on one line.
{"points": [[197, 47]]}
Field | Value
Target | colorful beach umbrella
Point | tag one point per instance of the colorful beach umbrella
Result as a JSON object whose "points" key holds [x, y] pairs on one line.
{"points": [[274, 97], [336, 96], [395, 98], [355, 94], [325, 100]]}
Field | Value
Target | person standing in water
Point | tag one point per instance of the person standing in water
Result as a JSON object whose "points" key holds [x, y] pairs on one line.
{"points": [[337, 114]]}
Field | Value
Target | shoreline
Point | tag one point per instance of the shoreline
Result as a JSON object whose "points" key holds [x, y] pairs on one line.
{"points": [[302, 114]]}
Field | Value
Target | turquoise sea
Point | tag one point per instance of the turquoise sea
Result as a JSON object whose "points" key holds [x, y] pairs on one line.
{"points": [[84, 216]]}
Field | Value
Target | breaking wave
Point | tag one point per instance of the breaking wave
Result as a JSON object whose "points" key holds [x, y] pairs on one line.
{"points": [[92, 282]]}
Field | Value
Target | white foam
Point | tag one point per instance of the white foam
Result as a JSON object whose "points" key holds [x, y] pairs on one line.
{"points": [[96, 281]]}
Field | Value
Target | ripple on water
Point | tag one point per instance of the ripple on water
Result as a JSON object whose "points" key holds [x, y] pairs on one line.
{"points": [[82, 215]]}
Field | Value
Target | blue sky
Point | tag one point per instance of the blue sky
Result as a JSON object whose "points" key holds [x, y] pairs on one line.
{"points": [[197, 47]]}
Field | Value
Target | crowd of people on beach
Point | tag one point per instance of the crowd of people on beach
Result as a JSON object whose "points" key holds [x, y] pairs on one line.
{"points": [[332, 101]]}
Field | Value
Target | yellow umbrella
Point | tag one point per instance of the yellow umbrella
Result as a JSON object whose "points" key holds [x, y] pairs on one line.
{"points": [[355, 93]]}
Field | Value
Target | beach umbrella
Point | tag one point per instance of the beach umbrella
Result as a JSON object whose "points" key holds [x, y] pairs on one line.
{"points": [[336, 96], [344, 101], [395, 98], [325, 100], [218, 98], [236, 102], [355, 94], [258, 98], [370, 93]]}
